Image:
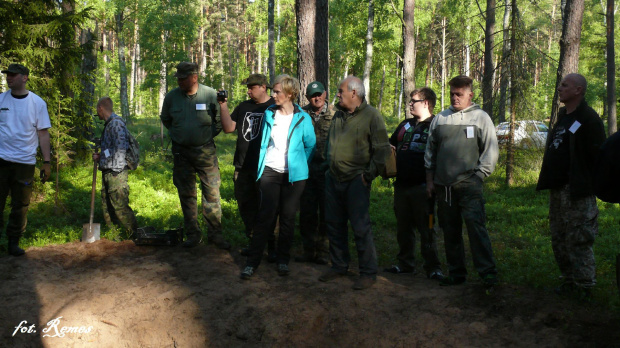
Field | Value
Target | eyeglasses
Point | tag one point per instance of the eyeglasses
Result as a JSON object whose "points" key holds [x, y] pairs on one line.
{"points": [[413, 101]]}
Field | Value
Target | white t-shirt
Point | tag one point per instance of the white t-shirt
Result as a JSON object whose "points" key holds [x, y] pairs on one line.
{"points": [[277, 151], [20, 119]]}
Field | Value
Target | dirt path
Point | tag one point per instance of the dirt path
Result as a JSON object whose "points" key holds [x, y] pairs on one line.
{"points": [[127, 296]]}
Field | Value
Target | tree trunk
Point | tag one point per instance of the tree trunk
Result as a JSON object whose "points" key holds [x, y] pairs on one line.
{"points": [[569, 49], [409, 43], [443, 61], [505, 68], [271, 43], [369, 44], [163, 84], [134, 65], [122, 65], [89, 66], [611, 70], [381, 90], [312, 41], [513, 94], [396, 84], [489, 40]]}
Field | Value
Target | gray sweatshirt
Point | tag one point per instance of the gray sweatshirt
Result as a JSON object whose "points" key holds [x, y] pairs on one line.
{"points": [[461, 144]]}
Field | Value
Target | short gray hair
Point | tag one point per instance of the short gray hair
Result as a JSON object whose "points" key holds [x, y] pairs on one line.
{"points": [[355, 84]]}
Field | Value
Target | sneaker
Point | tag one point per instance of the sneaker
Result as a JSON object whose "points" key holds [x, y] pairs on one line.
{"points": [[283, 269], [247, 272], [192, 241], [330, 275], [364, 282], [436, 275], [397, 270], [490, 280], [220, 242], [452, 280]]}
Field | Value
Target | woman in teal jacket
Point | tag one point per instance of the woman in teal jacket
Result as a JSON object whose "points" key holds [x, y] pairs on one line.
{"points": [[287, 145]]}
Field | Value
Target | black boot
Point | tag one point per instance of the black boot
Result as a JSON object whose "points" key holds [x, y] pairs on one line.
{"points": [[14, 248]]}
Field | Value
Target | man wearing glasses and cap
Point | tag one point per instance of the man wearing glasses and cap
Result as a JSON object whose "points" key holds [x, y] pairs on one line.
{"points": [[247, 119], [192, 115], [312, 211], [24, 124]]}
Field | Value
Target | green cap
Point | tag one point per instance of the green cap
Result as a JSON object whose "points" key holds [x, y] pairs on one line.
{"points": [[17, 69], [314, 88], [184, 69], [256, 79]]}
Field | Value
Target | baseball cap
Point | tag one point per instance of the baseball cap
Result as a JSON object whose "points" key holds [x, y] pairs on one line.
{"points": [[256, 79], [314, 88], [184, 69], [17, 69]]}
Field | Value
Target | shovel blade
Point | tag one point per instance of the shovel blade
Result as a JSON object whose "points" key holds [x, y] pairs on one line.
{"points": [[90, 232]]}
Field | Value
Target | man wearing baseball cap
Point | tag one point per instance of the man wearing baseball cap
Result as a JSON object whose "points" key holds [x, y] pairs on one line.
{"points": [[312, 211], [247, 119], [24, 126], [192, 115]]}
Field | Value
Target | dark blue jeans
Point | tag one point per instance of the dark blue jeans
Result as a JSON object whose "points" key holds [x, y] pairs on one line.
{"points": [[278, 197], [464, 201], [349, 201]]}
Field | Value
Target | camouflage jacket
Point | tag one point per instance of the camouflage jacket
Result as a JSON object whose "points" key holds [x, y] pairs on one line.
{"points": [[114, 144], [321, 122]]}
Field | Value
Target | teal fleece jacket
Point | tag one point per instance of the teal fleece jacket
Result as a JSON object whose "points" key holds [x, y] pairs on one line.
{"points": [[301, 143]]}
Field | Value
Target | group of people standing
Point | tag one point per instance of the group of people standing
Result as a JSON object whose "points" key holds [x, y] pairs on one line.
{"points": [[326, 158]]}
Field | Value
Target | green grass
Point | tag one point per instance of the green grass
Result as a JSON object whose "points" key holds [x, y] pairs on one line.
{"points": [[516, 216]]}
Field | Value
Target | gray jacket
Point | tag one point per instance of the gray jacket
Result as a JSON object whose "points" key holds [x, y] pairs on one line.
{"points": [[461, 144]]}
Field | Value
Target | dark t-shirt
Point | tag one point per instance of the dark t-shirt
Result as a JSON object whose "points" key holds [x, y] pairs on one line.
{"points": [[410, 138], [249, 118], [558, 152]]}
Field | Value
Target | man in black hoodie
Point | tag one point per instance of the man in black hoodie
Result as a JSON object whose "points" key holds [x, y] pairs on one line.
{"points": [[567, 170]]}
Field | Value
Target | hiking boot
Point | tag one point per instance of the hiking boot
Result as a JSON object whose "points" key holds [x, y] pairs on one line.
{"points": [[192, 241], [330, 275], [364, 282], [490, 280], [452, 280], [305, 257], [219, 242], [283, 270], [13, 247], [247, 272], [436, 275], [397, 270]]}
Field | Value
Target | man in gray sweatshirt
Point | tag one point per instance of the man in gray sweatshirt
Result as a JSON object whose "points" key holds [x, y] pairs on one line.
{"points": [[462, 151]]}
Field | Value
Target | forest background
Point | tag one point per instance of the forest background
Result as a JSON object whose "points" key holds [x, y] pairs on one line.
{"points": [[127, 49]]}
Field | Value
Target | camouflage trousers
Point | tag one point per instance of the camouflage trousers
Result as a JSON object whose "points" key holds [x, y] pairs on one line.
{"points": [[115, 201], [16, 179], [574, 225], [312, 213], [201, 160]]}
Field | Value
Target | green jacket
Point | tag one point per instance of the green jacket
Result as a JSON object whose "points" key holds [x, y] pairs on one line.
{"points": [[321, 122], [192, 120], [357, 144]]}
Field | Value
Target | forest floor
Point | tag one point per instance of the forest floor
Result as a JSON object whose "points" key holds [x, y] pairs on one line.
{"points": [[122, 295]]}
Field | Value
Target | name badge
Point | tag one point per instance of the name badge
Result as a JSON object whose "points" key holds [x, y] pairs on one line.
{"points": [[470, 132], [106, 153], [574, 127], [201, 106], [407, 126]]}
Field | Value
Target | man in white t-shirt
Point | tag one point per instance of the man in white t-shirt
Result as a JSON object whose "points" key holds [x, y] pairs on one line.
{"points": [[24, 124]]}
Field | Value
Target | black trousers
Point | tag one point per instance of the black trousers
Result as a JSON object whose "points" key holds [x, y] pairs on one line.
{"points": [[278, 197]]}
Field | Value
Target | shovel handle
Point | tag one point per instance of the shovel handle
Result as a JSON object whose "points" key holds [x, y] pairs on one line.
{"points": [[92, 195]]}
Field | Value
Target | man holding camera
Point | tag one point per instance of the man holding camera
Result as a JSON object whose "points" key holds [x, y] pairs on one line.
{"points": [[192, 115], [24, 125], [247, 119]]}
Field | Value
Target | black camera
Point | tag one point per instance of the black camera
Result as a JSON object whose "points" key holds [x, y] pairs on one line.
{"points": [[221, 95]]}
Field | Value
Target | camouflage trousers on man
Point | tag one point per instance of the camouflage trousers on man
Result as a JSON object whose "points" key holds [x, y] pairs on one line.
{"points": [[574, 225], [201, 160], [312, 214], [115, 201], [16, 179]]}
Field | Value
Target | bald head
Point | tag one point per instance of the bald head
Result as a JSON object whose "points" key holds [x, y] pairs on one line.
{"points": [[105, 108], [572, 89]]}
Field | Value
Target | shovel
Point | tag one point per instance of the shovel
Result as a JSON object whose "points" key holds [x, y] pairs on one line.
{"points": [[91, 231]]}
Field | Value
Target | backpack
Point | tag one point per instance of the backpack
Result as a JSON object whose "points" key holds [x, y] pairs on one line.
{"points": [[607, 171]]}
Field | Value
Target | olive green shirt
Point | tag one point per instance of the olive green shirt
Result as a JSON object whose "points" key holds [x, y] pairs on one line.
{"points": [[192, 120], [321, 121], [357, 144]]}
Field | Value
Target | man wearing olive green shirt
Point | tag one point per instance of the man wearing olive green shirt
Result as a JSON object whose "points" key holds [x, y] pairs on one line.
{"points": [[192, 115]]}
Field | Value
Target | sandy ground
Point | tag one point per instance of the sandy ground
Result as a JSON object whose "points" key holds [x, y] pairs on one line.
{"points": [[109, 294]]}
